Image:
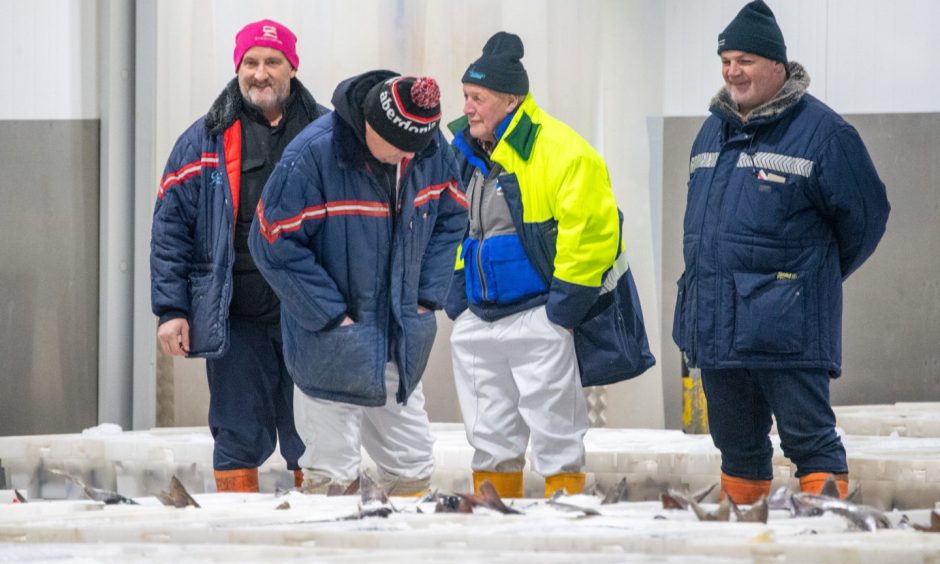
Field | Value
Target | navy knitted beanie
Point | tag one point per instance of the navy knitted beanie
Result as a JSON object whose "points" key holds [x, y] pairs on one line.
{"points": [[754, 30], [500, 67]]}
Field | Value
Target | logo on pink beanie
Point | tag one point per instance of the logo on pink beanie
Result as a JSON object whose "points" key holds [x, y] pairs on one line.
{"points": [[266, 33]]}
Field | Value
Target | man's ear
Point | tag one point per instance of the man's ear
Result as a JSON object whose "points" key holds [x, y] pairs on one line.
{"points": [[293, 73]]}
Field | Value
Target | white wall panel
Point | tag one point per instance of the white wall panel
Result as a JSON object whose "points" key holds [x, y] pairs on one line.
{"points": [[51, 54], [884, 56], [863, 56]]}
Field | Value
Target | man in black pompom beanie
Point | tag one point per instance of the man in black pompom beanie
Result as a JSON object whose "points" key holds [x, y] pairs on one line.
{"points": [[357, 231], [784, 204]]}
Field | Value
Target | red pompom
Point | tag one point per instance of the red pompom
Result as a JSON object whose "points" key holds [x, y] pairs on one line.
{"points": [[425, 93]]}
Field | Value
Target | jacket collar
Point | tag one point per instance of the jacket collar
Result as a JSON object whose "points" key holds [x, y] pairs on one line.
{"points": [[230, 106], [789, 96], [518, 131]]}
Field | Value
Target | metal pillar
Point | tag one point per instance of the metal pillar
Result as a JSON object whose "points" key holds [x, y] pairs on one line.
{"points": [[116, 250]]}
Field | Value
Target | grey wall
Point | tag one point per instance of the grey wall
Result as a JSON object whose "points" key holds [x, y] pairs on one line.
{"points": [[891, 321], [48, 276]]}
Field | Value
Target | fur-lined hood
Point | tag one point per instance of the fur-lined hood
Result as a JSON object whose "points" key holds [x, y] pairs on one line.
{"points": [[229, 105], [791, 93]]}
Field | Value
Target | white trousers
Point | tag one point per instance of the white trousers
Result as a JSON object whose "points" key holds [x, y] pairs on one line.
{"points": [[397, 437], [517, 379]]}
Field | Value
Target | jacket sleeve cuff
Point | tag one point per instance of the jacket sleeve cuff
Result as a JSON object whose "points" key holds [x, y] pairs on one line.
{"points": [[569, 303], [427, 304], [456, 301], [171, 315]]}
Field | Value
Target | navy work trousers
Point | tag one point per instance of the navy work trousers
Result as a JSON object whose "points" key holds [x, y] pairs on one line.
{"points": [[740, 404], [251, 400]]}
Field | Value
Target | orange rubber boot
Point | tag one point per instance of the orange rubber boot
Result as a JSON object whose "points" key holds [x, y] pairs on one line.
{"points": [[813, 483], [298, 478], [742, 490], [572, 483], [507, 484], [241, 480]]}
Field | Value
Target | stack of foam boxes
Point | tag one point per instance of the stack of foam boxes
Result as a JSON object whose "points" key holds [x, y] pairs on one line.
{"points": [[892, 470], [135, 463]]}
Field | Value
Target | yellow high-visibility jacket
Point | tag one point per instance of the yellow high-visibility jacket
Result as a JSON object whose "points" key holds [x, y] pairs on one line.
{"points": [[559, 195]]}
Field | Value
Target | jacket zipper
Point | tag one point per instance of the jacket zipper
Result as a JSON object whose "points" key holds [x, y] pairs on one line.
{"points": [[479, 261]]}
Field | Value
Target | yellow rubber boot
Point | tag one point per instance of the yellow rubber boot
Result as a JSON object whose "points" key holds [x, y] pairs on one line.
{"points": [[242, 480], [742, 490], [298, 478], [572, 483], [813, 483], [507, 484]]}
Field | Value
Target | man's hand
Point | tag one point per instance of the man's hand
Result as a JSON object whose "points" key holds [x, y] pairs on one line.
{"points": [[174, 336], [347, 321], [422, 310]]}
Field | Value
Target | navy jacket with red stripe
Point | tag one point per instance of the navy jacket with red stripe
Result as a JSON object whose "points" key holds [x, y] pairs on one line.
{"points": [[191, 247], [326, 240]]}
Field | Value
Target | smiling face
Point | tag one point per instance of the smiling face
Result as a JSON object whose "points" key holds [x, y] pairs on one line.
{"points": [[264, 79], [751, 80], [486, 109]]}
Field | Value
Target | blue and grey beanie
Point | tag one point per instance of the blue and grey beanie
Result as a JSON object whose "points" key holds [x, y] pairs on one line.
{"points": [[754, 30], [500, 67]]}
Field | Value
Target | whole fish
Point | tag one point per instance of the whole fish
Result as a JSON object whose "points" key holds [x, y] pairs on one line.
{"points": [[555, 501], [108, 497], [618, 493], [452, 504], [370, 491], [486, 498], [676, 499], [723, 513], [177, 496], [757, 513], [863, 517]]}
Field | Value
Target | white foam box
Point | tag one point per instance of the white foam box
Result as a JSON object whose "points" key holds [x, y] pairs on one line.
{"points": [[899, 419]]}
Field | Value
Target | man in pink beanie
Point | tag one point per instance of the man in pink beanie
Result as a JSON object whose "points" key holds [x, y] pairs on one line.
{"points": [[211, 300]]}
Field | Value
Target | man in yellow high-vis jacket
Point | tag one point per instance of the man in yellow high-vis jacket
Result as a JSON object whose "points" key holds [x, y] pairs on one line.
{"points": [[542, 295]]}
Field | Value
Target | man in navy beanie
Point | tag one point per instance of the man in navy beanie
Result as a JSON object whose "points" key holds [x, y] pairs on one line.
{"points": [[784, 204], [542, 295]]}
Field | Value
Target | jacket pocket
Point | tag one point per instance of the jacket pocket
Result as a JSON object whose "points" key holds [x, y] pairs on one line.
{"points": [[507, 271], [768, 313], [207, 316], [763, 205], [339, 363]]}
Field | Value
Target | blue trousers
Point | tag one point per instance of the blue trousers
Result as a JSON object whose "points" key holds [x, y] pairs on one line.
{"points": [[251, 400], [740, 404]]}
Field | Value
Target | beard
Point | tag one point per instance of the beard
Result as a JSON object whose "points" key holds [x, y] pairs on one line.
{"points": [[267, 96]]}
